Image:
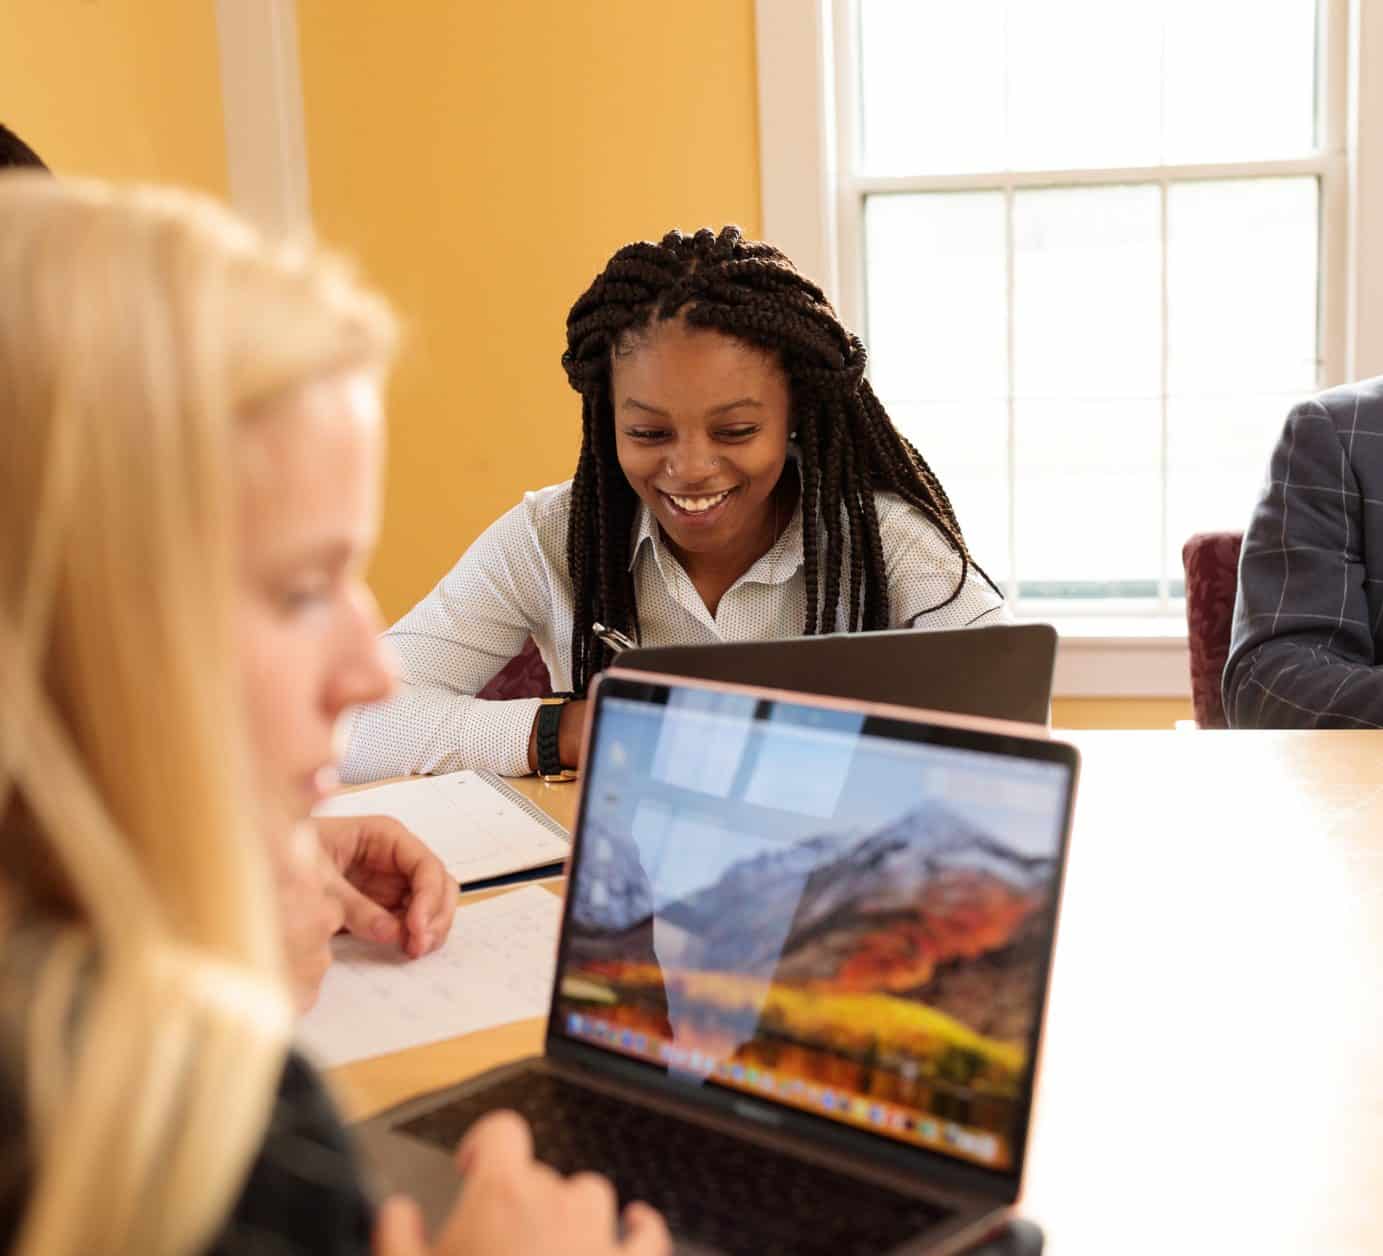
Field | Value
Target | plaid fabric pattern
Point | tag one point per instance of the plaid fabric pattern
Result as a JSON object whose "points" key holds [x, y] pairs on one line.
{"points": [[1306, 642]]}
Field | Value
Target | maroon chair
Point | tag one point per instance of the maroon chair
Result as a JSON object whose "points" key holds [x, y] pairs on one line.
{"points": [[1211, 560], [523, 676]]}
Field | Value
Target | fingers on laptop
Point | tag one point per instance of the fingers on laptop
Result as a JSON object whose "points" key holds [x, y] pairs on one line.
{"points": [[645, 1232], [493, 1143], [511, 1203], [399, 1229]]}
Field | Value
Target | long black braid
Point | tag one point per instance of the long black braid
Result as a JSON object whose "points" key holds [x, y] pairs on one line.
{"points": [[849, 446]]}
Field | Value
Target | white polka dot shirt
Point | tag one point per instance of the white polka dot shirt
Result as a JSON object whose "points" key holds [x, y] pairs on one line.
{"points": [[513, 584]]}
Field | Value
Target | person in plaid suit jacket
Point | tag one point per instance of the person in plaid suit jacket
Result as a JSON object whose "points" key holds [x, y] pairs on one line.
{"points": [[1306, 647]]}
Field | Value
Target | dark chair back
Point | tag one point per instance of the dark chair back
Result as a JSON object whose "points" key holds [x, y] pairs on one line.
{"points": [[523, 676], [1211, 560]]}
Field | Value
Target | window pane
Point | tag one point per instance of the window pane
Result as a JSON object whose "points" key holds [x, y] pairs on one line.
{"points": [[937, 332], [1087, 293], [1087, 375], [950, 87], [1088, 497], [931, 85], [1241, 286], [1053, 84], [1217, 458], [1083, 84], [966, 444], [936, 285], [1240, 79]]}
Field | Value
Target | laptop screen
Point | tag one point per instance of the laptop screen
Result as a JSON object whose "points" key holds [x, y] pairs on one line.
{"points": [[845, 914]]}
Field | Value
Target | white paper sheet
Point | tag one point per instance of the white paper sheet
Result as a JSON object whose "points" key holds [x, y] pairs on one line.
{"points": [[496, 966], [476, 826]]}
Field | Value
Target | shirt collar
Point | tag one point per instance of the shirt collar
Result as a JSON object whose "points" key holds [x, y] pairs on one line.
{"points": [[777, 566]]}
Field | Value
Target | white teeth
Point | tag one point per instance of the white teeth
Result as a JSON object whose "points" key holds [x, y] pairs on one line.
{"points": [[698, 505]]}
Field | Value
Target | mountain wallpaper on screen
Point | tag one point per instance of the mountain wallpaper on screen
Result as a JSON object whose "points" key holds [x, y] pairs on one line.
{"points": [[903, 962]]}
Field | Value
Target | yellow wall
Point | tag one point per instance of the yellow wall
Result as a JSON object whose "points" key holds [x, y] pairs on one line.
{"points": [[126, 89], [482, 161]]}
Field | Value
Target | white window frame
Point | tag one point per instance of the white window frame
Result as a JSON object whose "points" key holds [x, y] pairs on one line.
{"points": [[814, 212], [262, 103]]}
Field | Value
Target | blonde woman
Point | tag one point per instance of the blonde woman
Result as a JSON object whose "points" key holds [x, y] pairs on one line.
{"points": [[187, 495]]}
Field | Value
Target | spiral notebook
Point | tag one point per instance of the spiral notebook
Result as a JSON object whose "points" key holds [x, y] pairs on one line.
{"points": [[477, 824]]}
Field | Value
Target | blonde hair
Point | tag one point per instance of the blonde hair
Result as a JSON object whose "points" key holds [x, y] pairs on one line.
{"points": [[137, 326]]}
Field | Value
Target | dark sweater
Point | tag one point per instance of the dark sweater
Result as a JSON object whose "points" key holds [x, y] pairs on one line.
{"points": [[303, 1194]]}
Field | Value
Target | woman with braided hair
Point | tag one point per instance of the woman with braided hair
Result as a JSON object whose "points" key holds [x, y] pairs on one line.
{"points": [[738, 480]]}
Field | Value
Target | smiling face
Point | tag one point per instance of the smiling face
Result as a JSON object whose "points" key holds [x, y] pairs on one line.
{"points": [[701, 432], [308, 625]]}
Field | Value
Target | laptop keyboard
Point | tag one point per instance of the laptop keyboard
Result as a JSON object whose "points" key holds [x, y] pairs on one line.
{"points": [[710, 1187]]}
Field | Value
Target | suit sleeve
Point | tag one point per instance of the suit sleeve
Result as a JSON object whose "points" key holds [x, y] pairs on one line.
{"points": [[1302, 653]]}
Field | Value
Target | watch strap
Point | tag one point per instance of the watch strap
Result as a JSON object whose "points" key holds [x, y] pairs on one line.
{"points": [[549, 721]]}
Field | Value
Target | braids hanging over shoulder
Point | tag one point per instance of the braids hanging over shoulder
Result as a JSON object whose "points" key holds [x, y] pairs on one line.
{"points": [[849, 446]]}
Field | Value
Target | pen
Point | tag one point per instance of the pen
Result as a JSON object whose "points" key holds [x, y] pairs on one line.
{"points": [[612, 637]]}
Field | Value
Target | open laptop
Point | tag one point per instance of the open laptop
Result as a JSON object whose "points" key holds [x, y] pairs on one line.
{"points": [[1002, 672], [801, 976]]}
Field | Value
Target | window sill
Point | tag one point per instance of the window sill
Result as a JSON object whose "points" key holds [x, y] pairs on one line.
{"points": [[1121, 657]]}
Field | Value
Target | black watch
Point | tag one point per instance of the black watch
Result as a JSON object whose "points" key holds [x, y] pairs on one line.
{"points": [[549, 721]]}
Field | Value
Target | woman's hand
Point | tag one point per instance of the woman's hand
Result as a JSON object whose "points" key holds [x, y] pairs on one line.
{"points": [[393, 888], [512, 1205]]}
